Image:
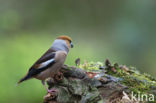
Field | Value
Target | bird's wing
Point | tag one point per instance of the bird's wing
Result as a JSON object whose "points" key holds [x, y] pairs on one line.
{"points": [[44, 62], [46, 56], [47, 60]]}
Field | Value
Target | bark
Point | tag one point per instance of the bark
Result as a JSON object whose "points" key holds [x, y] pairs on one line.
{"points": [[76, 85]]}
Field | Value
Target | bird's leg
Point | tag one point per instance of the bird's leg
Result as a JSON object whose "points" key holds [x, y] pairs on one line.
{"points": [[43, 82], [49, 91]]}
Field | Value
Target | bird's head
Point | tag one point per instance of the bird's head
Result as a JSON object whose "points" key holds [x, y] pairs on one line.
{"points": [[62, 43], [67, 39]]}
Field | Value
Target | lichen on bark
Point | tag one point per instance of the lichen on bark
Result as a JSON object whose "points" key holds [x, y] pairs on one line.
{"points": [[97, 82]]}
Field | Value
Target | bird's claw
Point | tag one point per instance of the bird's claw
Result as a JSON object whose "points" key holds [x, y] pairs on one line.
{"points": [[52, 91]]}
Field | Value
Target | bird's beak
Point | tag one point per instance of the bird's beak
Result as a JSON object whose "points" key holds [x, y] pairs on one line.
{"points": [[71, 44]]}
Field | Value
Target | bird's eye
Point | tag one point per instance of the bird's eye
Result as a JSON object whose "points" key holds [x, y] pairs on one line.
{"points": [[70, 41]]}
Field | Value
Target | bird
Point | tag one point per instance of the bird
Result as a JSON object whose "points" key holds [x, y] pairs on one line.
{"points": [[50, 62]]}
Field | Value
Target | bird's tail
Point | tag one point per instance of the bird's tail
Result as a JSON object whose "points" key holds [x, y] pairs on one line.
{"points": [[23, 79]]}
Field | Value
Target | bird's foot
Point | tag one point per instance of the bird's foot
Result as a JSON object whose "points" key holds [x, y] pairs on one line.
{"points": [[52, 90], [51, 95]]}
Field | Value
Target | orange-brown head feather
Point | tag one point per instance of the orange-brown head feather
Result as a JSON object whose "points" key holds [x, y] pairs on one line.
{"points": [[64, 37], [67, 39]]}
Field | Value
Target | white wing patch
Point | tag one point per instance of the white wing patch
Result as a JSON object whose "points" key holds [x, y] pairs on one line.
{"points": [[46, 63]]}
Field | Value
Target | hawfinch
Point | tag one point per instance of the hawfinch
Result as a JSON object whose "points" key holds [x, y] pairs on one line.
{"points": [[51, 62]]}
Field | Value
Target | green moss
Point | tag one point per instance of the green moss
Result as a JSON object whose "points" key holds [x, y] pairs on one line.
{"points": [[136, 81], [130, 76], [91, 66]]}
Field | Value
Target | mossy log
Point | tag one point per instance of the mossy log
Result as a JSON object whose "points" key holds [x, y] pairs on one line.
{"points": [[98, 83]]}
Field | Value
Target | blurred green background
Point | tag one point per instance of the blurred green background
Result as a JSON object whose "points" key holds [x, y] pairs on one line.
{"points": [[122, 30]]}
